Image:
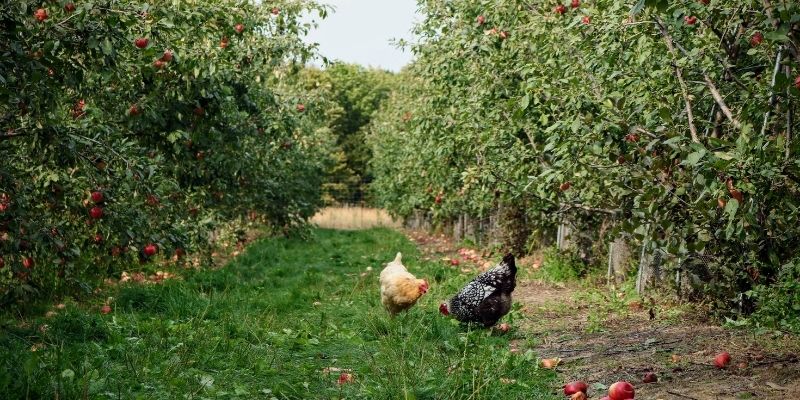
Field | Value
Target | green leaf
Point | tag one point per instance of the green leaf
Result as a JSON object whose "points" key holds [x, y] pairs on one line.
{"points": [[732, 207], [694, 158], [526, 100], [723, 155]]}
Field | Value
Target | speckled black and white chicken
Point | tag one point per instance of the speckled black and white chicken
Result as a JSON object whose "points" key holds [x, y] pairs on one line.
{"points": [[487, 298]]}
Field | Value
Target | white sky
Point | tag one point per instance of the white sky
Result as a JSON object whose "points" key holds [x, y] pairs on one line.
{"points": [[360, 31]]}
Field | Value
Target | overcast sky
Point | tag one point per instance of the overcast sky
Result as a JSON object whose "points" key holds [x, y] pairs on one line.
{"points": [[360, 31]]}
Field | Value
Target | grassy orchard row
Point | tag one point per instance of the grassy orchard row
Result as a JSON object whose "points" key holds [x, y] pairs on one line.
{"points": [[668, 121], [134, 129]]}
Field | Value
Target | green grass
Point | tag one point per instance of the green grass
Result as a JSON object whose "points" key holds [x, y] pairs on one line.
{"points": [[252, 330]]}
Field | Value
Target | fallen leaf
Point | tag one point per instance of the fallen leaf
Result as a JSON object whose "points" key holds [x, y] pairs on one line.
{"points": [[776, 386], [550, 363]]}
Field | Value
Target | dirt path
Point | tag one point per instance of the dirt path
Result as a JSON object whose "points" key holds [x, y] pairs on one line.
{"points": [[601, 337]]}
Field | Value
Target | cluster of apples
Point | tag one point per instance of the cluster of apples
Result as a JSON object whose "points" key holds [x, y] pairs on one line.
{"points": [[621, 390]]}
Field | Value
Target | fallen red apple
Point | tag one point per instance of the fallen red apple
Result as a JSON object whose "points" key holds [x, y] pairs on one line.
{"points": [[97, 196], [504, 327], [167, 56], [565, 186], [27, 262], [650, 377], [690, 20], [621, 391], [454, 262], [69, 7], [579, 396], [345, 378], [797, 82], [276, 10], [722, 360], [575, 387], [481, 20], [560, 9], [576, 3], [158, 64], [239, 28], [586, 20], [301, 107], [105, 309], [98, 238]]}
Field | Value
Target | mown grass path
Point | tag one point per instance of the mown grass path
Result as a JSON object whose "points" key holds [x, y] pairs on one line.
{"points": [[282, 320]]}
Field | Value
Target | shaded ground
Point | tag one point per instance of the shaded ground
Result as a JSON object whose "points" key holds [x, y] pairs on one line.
{"points": [[602, 336]]}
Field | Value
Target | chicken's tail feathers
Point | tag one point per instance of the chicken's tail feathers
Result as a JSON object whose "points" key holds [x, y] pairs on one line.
{"points": [[508, 259], [398, 258]]}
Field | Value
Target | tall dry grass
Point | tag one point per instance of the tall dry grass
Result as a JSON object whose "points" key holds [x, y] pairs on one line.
{"points": [[353, 218]]}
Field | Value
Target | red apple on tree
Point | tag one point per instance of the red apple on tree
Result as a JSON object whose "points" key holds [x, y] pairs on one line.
{"points": [[69, 7], [275, 10], [586, 20], [97, 196], [301, 107], [797, 82], [96, 212], [560, 9], [690, 20], [576, 3], [565, 186], [27, 262], [141, 42], [150, 250], [158, 64], [40, 14], [167, 56], [98, 238], [756, 39]]}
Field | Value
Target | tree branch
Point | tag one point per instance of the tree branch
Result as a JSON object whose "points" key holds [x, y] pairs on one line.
{"points": [[721, 102], [789, 116], [772, 97], [679, 75]]}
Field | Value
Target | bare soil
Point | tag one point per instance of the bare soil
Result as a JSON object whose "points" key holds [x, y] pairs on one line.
{"points": [[601, 338]]}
